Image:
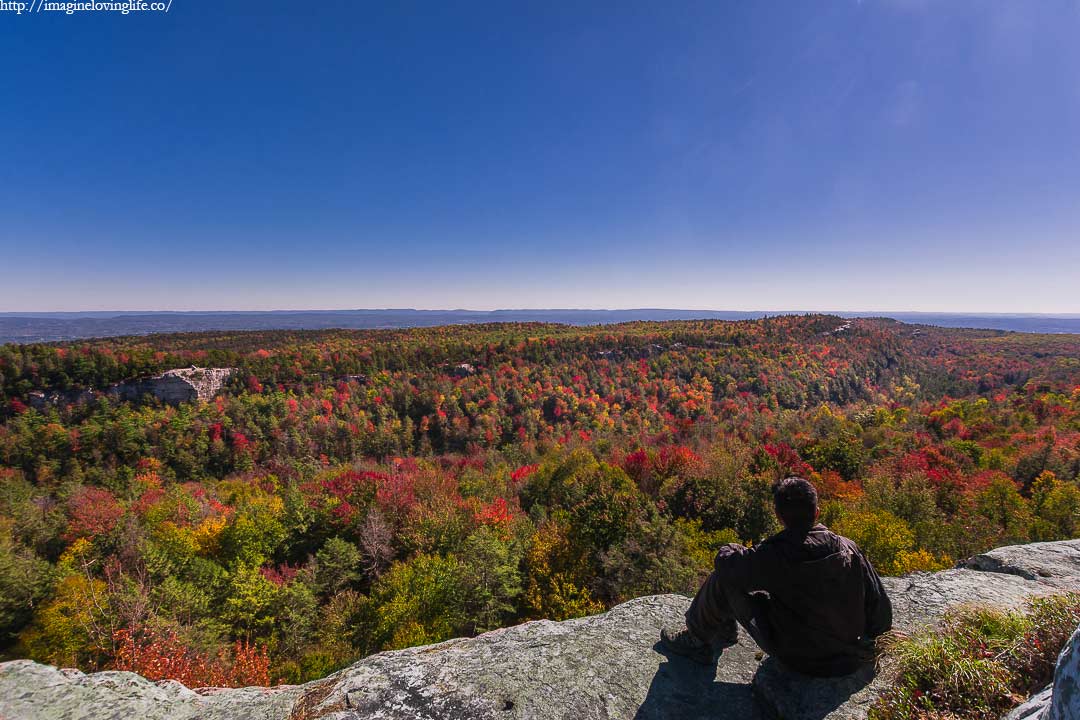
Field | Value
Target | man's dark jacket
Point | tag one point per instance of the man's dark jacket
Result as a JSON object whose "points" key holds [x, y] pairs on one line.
{"points": [[826, 602]]}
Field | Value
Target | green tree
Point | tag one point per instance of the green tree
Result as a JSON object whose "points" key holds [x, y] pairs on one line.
{"points": [[1001, 504], [418, 601], [557, 576], [249, 602], [337, 565], [654, 558], [880, 535], [73, 629], [255, 532], [295, 613], [1055, 505], [491, 579], [25, 580], [842, 452], [758, 519]]}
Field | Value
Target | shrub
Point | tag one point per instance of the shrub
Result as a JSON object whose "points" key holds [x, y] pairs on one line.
{"points": [[164, 656], [1052, 621], [881, 535], [982, 662]]}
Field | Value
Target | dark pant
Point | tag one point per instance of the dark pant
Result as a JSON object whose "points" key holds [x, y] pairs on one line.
{"points": [[716, 609]]}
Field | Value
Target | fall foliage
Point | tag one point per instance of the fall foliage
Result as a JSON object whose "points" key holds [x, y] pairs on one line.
{"points": [[352, 492]]}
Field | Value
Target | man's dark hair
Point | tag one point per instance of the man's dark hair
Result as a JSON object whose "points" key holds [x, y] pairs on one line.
{"points": [[795, 500]]}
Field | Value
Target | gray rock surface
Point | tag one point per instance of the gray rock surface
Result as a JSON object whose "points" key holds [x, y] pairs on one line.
{"points": [[1065, 701], [921, 598], [1035, 708], [29, 691], [1051, 563], [606, 666]]}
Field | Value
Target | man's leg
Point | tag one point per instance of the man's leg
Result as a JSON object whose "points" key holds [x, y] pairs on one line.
{"points": [[711, 616], [752, 612], [716, 609]]}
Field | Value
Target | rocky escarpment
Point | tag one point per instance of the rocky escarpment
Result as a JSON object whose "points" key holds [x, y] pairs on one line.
{"points": [[171, 387], [604, 666], [175, 386]]}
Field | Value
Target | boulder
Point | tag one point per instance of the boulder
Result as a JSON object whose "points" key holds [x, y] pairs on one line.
{"points": [[604, 666], [43, 401], [463, 370], [1065, 700], [1035, 708], [1051, 563]]}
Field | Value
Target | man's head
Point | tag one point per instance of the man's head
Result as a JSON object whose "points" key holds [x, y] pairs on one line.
{"points": [[795, 501]]}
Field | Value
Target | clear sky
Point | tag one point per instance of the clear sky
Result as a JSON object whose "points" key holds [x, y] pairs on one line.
{"points": [[871, 155]]}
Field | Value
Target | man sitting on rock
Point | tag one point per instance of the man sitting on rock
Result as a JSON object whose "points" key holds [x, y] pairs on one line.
{"points": [[807, 596]]}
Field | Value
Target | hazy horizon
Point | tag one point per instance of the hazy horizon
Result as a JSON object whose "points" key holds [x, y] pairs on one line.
{"points": [[49, 327], [798, 311]]}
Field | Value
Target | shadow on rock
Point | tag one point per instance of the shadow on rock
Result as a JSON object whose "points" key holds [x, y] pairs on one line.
{"points": [[684, 690], [784, 693]]}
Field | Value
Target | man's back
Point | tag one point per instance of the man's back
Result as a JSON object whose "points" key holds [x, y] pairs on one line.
{"points": [[826, 602]]}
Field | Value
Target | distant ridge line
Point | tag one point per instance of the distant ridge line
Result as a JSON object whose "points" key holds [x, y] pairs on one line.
{"points": [[75, 314], [55, 326]]}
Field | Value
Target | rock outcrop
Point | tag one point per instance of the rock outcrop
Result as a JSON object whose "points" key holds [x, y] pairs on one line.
{"points": [[1061, 700], [604, 666], [1035, 708], [1051, 563], [172, 386], [175, 386], [42, 401], [463, 370], [1065, 699]]}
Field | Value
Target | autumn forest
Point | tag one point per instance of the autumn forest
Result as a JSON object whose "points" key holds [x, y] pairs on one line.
{"points": [[349, 492]]}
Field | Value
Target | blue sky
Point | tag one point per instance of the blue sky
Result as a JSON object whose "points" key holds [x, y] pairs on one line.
{"points": [[900, 155]]}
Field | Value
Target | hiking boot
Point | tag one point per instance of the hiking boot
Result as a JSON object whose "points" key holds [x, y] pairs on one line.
{"points": [[685, 643]]}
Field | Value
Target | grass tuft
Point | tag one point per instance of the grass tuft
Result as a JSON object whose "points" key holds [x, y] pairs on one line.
{"points": [[979, 663]]}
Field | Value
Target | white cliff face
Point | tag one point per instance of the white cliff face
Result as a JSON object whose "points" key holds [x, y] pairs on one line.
{"points": [[604, 666], [205, 383], [176, 386], [171, 387]]}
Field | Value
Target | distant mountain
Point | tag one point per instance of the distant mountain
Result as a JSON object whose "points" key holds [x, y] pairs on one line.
{"points": [[48, 327], [1018, 323]]}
